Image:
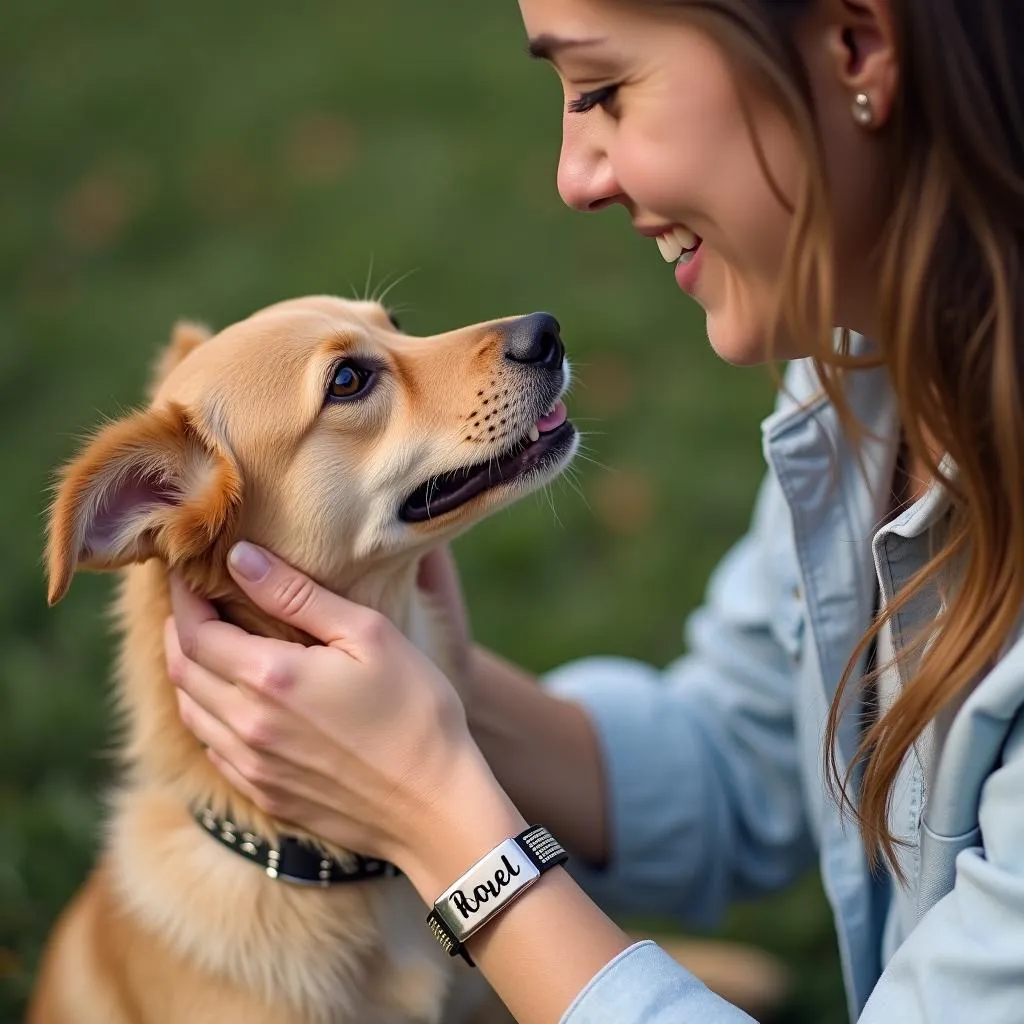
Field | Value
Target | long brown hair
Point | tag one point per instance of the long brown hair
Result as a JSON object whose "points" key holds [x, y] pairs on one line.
{"points": [[952, 331]]}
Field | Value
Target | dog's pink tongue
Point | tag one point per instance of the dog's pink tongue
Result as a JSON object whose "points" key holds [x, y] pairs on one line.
{"points": [[554, 419]]}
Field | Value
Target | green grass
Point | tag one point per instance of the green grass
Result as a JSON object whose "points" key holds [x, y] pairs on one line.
{"points": [[207, 159]]}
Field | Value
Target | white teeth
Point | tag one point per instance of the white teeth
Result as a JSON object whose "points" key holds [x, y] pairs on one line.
{"points": [[670, 248], [687, 256], [534, 434], [686, 238], [675, 242]]}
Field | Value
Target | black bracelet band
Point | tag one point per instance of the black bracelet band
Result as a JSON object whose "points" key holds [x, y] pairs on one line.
{"points": [[490, 885]]}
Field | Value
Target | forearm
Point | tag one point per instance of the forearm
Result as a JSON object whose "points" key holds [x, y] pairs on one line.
{"points": [[543, 751], [544, 948]]}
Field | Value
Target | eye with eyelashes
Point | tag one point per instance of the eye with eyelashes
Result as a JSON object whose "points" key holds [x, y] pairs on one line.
{"points": [[587, 101]]}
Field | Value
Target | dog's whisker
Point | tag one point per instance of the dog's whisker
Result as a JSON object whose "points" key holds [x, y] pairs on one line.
{"points": [[381, 289], [401, 309], [573, 482], [546, 490], [386, 291], [583, 457], [369, 278], [430, 488]]}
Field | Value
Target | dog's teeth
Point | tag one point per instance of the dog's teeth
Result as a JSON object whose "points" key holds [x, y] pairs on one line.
{"points": [[534, 433]]}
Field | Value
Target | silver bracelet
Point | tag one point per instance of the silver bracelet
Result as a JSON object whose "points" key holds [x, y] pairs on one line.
{"points": [[490, 885]]}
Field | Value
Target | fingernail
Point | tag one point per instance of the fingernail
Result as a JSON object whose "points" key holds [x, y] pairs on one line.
{"points": [[248, 561]]}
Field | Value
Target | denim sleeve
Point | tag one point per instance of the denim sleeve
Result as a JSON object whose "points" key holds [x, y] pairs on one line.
{"points": [[701, 760], [965, 959], [644, 985]]}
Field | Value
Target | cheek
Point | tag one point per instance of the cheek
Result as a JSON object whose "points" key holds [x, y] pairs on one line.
{"points": [[700, 167], [751, 197]]}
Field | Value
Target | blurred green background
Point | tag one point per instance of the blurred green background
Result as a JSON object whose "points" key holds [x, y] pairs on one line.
{"points": [[204, 160]]}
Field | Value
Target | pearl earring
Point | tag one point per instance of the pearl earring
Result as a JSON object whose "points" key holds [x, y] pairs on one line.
{"points": [[863, 112]]}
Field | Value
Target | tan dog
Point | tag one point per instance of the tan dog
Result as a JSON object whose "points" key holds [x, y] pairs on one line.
{"points": [[319, 430]]}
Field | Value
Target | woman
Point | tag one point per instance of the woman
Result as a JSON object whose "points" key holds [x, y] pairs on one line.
{"points": [[805, 164]]}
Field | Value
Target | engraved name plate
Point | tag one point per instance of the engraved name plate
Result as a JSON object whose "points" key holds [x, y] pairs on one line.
{"points": [[469, 901]]}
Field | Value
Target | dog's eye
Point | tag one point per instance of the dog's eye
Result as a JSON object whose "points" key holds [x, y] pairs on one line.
{"points": [[348, 380], [394, 321]]}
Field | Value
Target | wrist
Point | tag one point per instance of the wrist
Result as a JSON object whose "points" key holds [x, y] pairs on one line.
{"points": [[491, 885], [466, 819]]}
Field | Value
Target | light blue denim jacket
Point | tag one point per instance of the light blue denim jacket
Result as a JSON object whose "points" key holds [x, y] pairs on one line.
{"points": [[714, 765]]}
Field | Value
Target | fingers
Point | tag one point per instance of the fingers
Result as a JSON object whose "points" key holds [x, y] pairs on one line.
{"points": [[288, 808], [286, 789], [239, 731], [215, 695], [292, 597], [259, 663], [258, 777], [190, 610], [264, 665], [241, 783], [436, 571], [223, 715], [439, 578]]}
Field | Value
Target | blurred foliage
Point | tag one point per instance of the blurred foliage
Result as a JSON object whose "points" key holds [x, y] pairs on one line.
{"points": [[204, 160]]}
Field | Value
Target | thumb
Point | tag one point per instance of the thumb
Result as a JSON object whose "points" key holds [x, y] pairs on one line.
{"points": [[291, 596]]}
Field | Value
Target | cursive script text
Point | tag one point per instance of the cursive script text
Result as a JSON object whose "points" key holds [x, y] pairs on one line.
{"points": [[470, 904]]}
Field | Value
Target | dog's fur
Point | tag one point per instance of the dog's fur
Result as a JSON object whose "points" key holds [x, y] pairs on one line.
{"points": [[239, 442]]}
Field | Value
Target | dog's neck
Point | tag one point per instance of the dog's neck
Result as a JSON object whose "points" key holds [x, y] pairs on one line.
{"points": [[159, 750]]}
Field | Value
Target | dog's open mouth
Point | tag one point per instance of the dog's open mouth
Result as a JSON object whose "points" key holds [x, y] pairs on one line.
{"points": [[544, 447]]}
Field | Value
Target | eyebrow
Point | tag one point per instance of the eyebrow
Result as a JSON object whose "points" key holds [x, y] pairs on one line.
{"points": [[546, 47]]}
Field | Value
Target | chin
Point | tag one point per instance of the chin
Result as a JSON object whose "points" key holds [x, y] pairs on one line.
{"points": [[735, 343]]}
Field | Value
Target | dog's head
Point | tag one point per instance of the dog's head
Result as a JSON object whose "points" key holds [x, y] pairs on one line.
{"points": [[320, 430]]}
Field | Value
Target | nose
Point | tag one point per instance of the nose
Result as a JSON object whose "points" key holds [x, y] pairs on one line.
{"points": [[586, 180], [535, 340]]}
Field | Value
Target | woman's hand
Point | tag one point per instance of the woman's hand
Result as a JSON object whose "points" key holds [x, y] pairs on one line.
{"points": [[364, 742], [358, 741]]}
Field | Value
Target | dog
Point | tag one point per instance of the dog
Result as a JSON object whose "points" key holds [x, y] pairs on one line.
{"points": [[318, 429]]}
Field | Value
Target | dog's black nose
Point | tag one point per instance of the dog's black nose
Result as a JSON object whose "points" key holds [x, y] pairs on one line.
{"points": [[535, 339]]}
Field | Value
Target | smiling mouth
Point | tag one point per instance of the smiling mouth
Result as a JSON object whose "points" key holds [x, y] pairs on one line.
{"points": [[679, 245], [449, 491]]}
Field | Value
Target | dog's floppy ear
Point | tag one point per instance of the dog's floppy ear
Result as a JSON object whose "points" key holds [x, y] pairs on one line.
{"points": [[148, 485], [185, 337]]}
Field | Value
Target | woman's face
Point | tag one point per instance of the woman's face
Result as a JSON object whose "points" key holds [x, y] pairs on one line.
{"points": [[653, 121]]}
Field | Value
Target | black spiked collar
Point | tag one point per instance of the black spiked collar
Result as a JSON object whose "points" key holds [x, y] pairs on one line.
{"points": [[293, 859]]}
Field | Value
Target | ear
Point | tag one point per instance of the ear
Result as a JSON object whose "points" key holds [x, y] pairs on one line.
{"points": [[185, 337], [151, 485], [863, 47]]}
